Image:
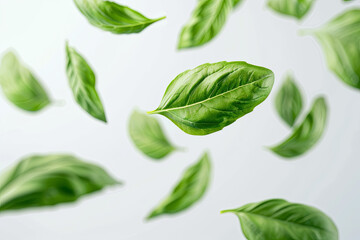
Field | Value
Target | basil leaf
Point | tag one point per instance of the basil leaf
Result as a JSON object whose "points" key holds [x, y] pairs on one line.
{"points": [[282, 220], [39, 181], [20, 86], [82, 83], [307, 134], [212, 96], [112, 17], [236, 3], [188, 191], [206, 22], [294, 8], [288, 101], [340, 40], [148, 137]]}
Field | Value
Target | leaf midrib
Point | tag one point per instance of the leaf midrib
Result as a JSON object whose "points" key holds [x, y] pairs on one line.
{"points": [[209, 99]]}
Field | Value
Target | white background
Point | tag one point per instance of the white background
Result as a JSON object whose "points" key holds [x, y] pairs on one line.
{"points": [[133, 71]]}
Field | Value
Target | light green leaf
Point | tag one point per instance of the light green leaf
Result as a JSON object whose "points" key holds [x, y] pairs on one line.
{"points": [[39, 181], [206, 22], [20, 86], [188, 191], [294, 8], [82, 83], [307, 134], [112, 17], [212, 96], [282, 220], [148, 136], [288, 101], [340, 40]]}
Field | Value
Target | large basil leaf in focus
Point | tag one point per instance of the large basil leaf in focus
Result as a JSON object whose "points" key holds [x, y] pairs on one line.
{"points": [[20, 86], [148, 136], [282, 220], [295, 8], [212, 96], [206, 22], [82, 83], [307, 134], [340, 40], [112, 17], [288, 101], [188, 191], [39, 181]]}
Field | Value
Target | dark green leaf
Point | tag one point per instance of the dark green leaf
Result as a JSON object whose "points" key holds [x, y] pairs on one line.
{"points": [[288, 101], [212, 96], [307, 134], [281, 220], [112, 17], [39, 181], [148, 137], [294, 8], [20, 86], [82, 83], [340, 40], [206, 22], [188, 191]]}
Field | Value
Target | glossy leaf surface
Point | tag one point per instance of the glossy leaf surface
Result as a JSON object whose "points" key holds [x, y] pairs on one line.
{"points": [[112, 17], [188, 191], [282, 220], [212, 96]]}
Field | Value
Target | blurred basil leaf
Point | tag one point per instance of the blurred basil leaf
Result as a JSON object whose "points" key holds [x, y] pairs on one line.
{"points": [[82, 83], [20, 86], [188, 191], [340, 40], [39, 181], [294, 8], [305, 136], [282, 220], [206, 22], [212, 96], [148, 136], [288, 101], [112, 17]]}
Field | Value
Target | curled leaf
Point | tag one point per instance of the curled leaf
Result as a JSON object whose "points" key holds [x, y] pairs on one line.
{"points": [[188, 191]]}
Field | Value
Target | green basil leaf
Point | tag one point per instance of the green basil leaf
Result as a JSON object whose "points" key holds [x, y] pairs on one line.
{"points": [[39, 181], [20, 86], [282, 220], [188, 191], [294, 8], [148, 136], [112, 17], [206, 22], [307, 134], [212, 96], [340, 40], [288, 101], [82, 83]]}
